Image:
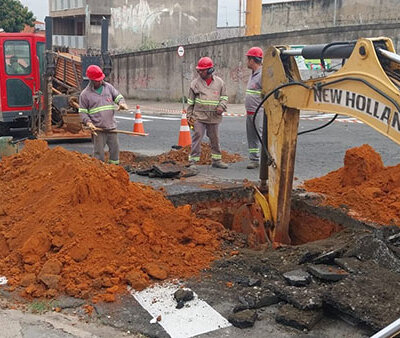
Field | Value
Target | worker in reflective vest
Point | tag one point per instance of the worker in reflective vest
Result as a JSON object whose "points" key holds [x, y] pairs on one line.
{"points": [[252, 100], [97, 109], [207, 101]]}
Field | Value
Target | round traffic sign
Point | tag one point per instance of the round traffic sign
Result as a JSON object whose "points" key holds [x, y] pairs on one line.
{"points": [[181, 51]]}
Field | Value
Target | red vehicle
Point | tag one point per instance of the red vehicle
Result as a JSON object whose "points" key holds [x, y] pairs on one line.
{"points": [[22, 67]]}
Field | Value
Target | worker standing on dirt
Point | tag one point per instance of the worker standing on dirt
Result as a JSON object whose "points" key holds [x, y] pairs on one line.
{"points": [[207, 101], [97, 110], [252, 100]]}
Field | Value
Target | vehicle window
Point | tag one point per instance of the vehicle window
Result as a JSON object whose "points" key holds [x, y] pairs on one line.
{"points": [[18, 93], [40, 50], [18, 57]]}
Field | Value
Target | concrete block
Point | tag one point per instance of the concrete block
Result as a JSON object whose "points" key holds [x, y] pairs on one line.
{"points": [[327, 272], [297, 277]]}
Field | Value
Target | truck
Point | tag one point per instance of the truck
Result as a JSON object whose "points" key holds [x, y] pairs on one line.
{"points": [[40, 86]]}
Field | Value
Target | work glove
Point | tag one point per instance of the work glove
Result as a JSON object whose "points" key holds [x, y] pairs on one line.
{"points": [[191, 121], [123, 106], [220, 110], [91, 126]]}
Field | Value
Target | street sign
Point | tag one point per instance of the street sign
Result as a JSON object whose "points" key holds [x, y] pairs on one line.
{"points": [[181, 51]]}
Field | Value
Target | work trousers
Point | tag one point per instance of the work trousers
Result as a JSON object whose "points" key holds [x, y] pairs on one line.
{"points": [[102, 139], [252, 139], [200, 129]]}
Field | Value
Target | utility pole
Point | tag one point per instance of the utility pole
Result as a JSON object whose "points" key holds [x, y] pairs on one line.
{"points": [[240, 13], [334, 13]]}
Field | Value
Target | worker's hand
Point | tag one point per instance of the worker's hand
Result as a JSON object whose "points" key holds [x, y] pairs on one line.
{"points": [[91, 126], [123, 106], [220, 110], [191, 121]]}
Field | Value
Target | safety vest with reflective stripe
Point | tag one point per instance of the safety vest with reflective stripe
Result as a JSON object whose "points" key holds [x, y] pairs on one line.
{"points": [[204, 99], [253, 91], [99, 108]]}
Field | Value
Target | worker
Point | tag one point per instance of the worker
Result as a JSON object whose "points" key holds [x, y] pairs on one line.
{"points": [[207, 101], [252, 100], [97, 110], [15, 68]]}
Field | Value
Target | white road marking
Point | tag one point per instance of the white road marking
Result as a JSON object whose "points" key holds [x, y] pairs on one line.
{"points": [[196, 317], [320, 117], [129, 118], [149, 118]]}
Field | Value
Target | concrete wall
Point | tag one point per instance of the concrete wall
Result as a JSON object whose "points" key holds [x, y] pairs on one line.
{"points": [[309, 14], [145, 22], [157, 74]]}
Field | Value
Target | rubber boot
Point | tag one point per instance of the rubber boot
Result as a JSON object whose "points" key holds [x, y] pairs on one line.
{"points": [[253, 165], [219, 165]]}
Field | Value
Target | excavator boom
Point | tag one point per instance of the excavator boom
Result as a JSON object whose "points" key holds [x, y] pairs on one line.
{"points": [[366, 87]]}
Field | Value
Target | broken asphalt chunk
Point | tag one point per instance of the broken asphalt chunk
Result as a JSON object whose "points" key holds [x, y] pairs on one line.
{"points": [[302, 298], [328, 257], [369, 298], [243, 319], [297, 277], [372, 248], [308, 257], [350, 264], [182, 296], [299, 319], [327, 272]]}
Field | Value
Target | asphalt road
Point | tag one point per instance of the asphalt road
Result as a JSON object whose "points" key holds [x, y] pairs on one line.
{"points": [[317, 153]]}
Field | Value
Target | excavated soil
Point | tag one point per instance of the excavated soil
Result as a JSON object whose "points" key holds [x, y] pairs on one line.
{"points": [[180, 156], [364, 186], [72, 224]]}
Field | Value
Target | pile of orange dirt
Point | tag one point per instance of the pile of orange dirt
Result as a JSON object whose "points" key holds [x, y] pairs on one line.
{"points": [[306, 228], [72, 224], [180, 156], [364, 185]]}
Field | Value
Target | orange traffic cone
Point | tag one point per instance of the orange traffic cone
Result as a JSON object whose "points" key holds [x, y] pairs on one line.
{"points": [[184, 133], [138, 126]]}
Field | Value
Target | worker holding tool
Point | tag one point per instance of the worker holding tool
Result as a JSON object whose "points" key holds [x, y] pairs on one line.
{"points": [[207, 101], [252, 101], [97, 110]]}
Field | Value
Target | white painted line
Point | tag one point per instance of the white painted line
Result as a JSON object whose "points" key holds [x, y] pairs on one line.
{"points": [[149, 117], [162, 118], [3, 280], [129, 118], [196, 317]]}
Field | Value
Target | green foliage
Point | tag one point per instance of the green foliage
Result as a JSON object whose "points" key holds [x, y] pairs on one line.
{"points": [[40, 307], [14, 16], [148, 45]]}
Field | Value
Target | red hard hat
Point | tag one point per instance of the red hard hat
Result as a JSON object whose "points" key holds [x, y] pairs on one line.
{"points": [[95, 73], [255, 51], [205, 63]]}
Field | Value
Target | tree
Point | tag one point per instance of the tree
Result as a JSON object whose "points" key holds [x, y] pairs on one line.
{"points": [[14, 16]]}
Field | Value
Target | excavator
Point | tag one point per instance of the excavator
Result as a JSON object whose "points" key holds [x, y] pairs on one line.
{"points": [[366, 87]]}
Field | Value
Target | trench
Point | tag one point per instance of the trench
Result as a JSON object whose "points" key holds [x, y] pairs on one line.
{"points": [[309, 221]]}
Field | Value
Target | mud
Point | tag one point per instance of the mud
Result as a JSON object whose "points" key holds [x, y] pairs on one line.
{"points": [[181, 156]]}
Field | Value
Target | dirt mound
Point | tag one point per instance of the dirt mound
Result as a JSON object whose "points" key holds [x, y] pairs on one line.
{"points": [[364, 185], [72, 224], [178, 156]]}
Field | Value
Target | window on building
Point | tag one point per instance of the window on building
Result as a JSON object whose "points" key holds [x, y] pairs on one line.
{"points": [[18, 57]]}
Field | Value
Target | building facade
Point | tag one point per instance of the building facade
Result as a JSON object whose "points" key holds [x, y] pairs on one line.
{"points": [[134, 24]]}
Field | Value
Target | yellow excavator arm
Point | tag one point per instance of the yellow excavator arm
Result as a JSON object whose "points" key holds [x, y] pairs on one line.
{"points": [[366, 87]]}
